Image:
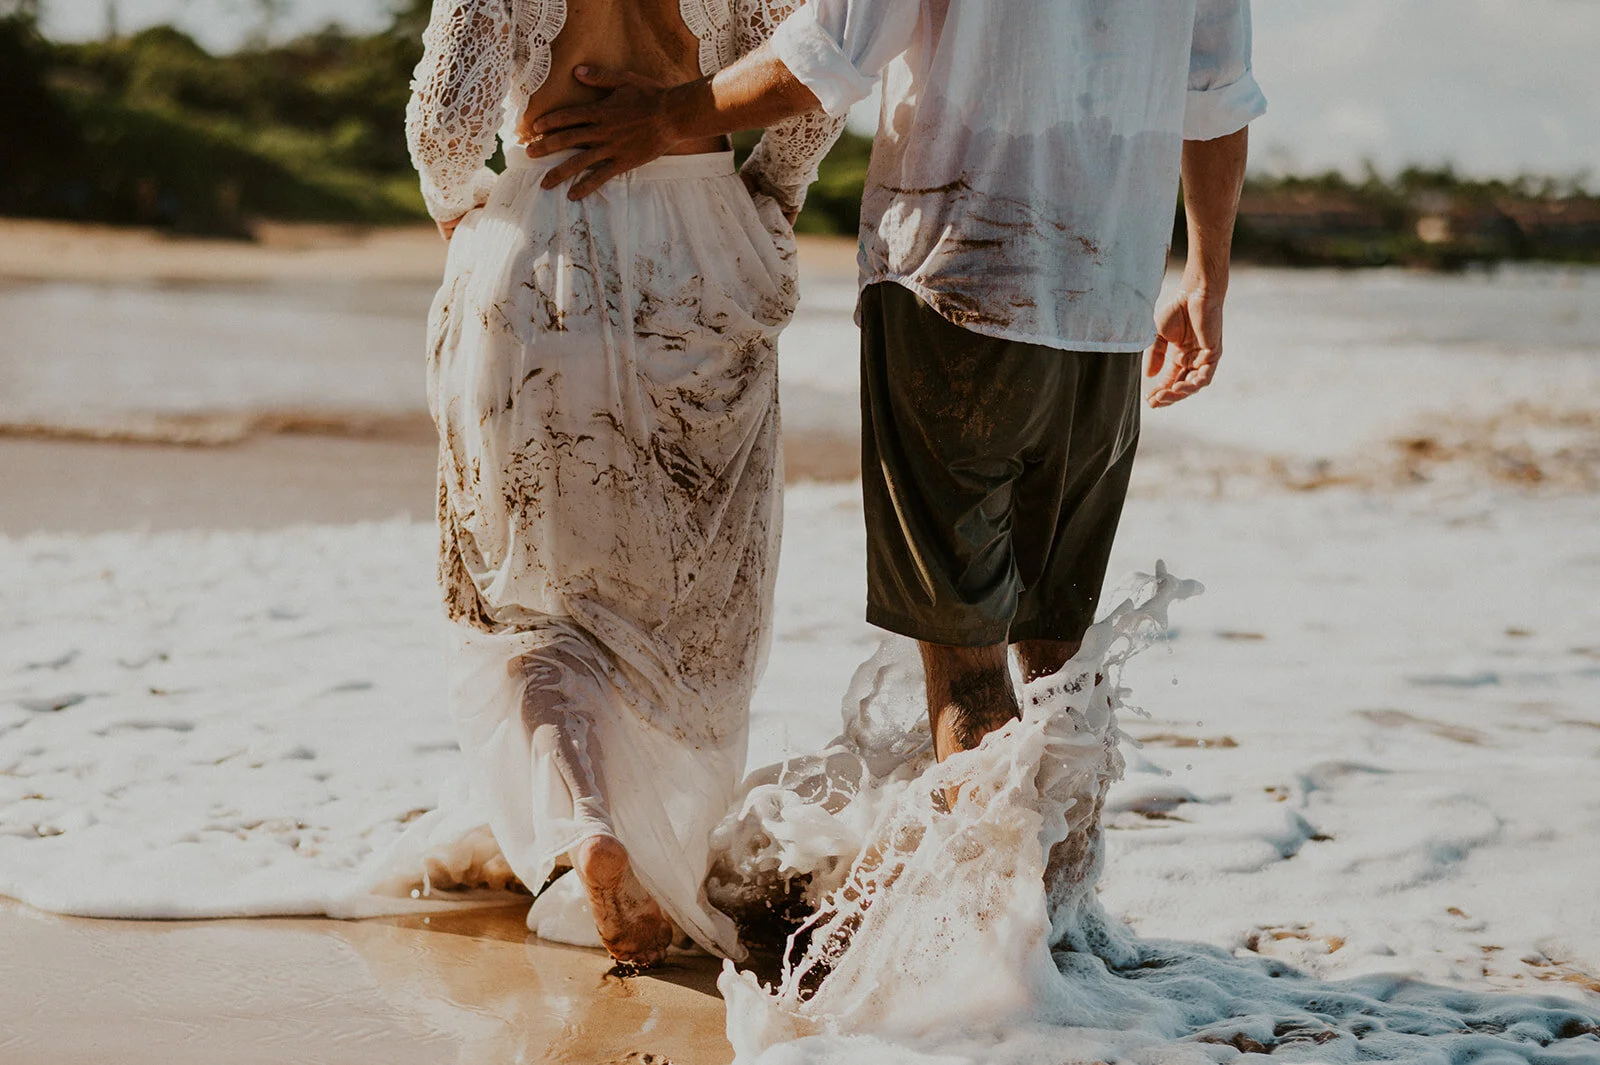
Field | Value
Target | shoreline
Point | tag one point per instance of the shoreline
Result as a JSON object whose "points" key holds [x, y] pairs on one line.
{"points": [[66, 485], [33, 250]]}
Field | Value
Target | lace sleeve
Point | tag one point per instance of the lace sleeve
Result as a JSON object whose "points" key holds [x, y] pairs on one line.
{"points": [[456, 99], [784, 163]]}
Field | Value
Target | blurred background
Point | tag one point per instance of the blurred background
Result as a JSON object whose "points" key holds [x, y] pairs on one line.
{"points": [[1402, 131]]}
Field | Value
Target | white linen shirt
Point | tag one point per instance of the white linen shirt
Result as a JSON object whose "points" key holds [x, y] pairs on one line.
{"points": [[1025, 173]]}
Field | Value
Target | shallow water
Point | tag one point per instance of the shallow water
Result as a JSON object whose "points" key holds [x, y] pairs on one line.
{"points": [[1370, 350], [976, 935], [100, 355]]}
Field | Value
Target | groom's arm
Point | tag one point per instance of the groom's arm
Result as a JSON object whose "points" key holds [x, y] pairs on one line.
{"points": [[828, 54], [1223, 98]]}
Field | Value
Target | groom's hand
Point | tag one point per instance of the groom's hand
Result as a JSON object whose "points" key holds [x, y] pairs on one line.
{"points": [[1188, 346], [627, 129]]}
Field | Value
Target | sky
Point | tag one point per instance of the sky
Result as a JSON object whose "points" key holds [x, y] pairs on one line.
{"points": [[1495, 87]]}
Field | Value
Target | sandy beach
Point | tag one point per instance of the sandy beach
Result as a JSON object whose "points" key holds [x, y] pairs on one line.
{"points": [[464, 988], [1390, 494], [64, 251]]}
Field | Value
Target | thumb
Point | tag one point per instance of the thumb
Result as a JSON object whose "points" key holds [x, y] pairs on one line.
{"points": [[606, 78], [1155, 358]]}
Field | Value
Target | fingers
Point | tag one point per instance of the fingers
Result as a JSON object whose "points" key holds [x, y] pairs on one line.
{"points": [[606, 78], [1156, 357], [1169, 363], [595, 178], [573, 166], [566, 118], [1184, 381], [549, 144]]}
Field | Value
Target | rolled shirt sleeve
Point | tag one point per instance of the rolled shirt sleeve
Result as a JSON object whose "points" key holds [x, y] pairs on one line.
{"points": [[838, 48], [1223, 94]]}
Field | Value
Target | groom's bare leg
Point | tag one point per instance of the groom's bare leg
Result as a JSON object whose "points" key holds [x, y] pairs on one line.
{"points": [[969, 694], [1040, 658], [1071, 862]]}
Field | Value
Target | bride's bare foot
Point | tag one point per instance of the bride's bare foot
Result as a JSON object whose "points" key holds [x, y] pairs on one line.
{"points": [[629, 921]]}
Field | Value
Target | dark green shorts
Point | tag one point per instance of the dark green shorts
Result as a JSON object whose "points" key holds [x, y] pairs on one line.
{"points": [[993, 474]]}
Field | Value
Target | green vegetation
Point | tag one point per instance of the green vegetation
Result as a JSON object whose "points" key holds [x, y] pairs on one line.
{"points": [[152, 129], [1420, 217]]}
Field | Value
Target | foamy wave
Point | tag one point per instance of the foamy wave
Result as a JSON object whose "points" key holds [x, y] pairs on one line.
{"points": [[975, 935]]}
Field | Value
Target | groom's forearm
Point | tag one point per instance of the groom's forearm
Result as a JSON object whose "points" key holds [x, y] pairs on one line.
{"points": [[1213, 176], [753, 93]]}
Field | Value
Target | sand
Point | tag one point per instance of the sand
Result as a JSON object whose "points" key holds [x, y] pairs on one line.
{"points": [[262, 482], [466, 988], [64, 251]]}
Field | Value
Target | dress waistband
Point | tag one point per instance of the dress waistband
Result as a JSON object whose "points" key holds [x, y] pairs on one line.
{"points": [[666, 168]]}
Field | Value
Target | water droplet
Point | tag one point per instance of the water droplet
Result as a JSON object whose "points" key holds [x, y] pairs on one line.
{"points": [[1201, 743], [416, 894], [1188, 765], [1174, 682]]}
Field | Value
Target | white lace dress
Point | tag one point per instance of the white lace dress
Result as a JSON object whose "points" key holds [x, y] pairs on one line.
{"points": [[603, 375]]}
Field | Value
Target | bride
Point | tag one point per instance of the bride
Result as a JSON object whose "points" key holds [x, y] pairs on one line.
{"points": [[603, 376]]}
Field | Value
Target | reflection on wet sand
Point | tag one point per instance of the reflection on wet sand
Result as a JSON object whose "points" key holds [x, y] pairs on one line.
{"points": [[455, 988]]}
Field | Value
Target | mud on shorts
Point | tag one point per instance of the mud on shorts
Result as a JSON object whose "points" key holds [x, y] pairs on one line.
{"points": [[993, 476]]}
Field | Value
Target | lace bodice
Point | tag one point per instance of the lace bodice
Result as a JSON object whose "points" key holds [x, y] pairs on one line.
{"points": [[483, 59]]}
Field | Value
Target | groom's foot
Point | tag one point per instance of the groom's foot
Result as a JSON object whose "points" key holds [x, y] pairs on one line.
{"points": [[630, 923]]}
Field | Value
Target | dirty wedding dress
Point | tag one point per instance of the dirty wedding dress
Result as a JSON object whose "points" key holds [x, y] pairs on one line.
{"points": [[603, 376]]}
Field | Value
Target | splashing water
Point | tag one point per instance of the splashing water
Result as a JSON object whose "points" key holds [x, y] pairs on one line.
{"points": [[974, 934]]}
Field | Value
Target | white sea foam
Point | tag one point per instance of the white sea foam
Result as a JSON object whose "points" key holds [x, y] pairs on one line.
{"points": [[1400, 703], [974, 934]]}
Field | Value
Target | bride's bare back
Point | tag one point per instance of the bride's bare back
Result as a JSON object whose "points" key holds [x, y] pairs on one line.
{"points": [[647, 37]]}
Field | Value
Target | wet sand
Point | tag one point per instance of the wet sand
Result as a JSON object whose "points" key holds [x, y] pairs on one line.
{"points": [[64, 251], [468, 988], [263, 482]]}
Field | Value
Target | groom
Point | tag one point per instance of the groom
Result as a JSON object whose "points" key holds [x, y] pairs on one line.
{"points": [[1014, 234]]}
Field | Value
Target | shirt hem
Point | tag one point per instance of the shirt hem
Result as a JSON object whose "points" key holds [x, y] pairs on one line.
{"points": [[1061, 343]]}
